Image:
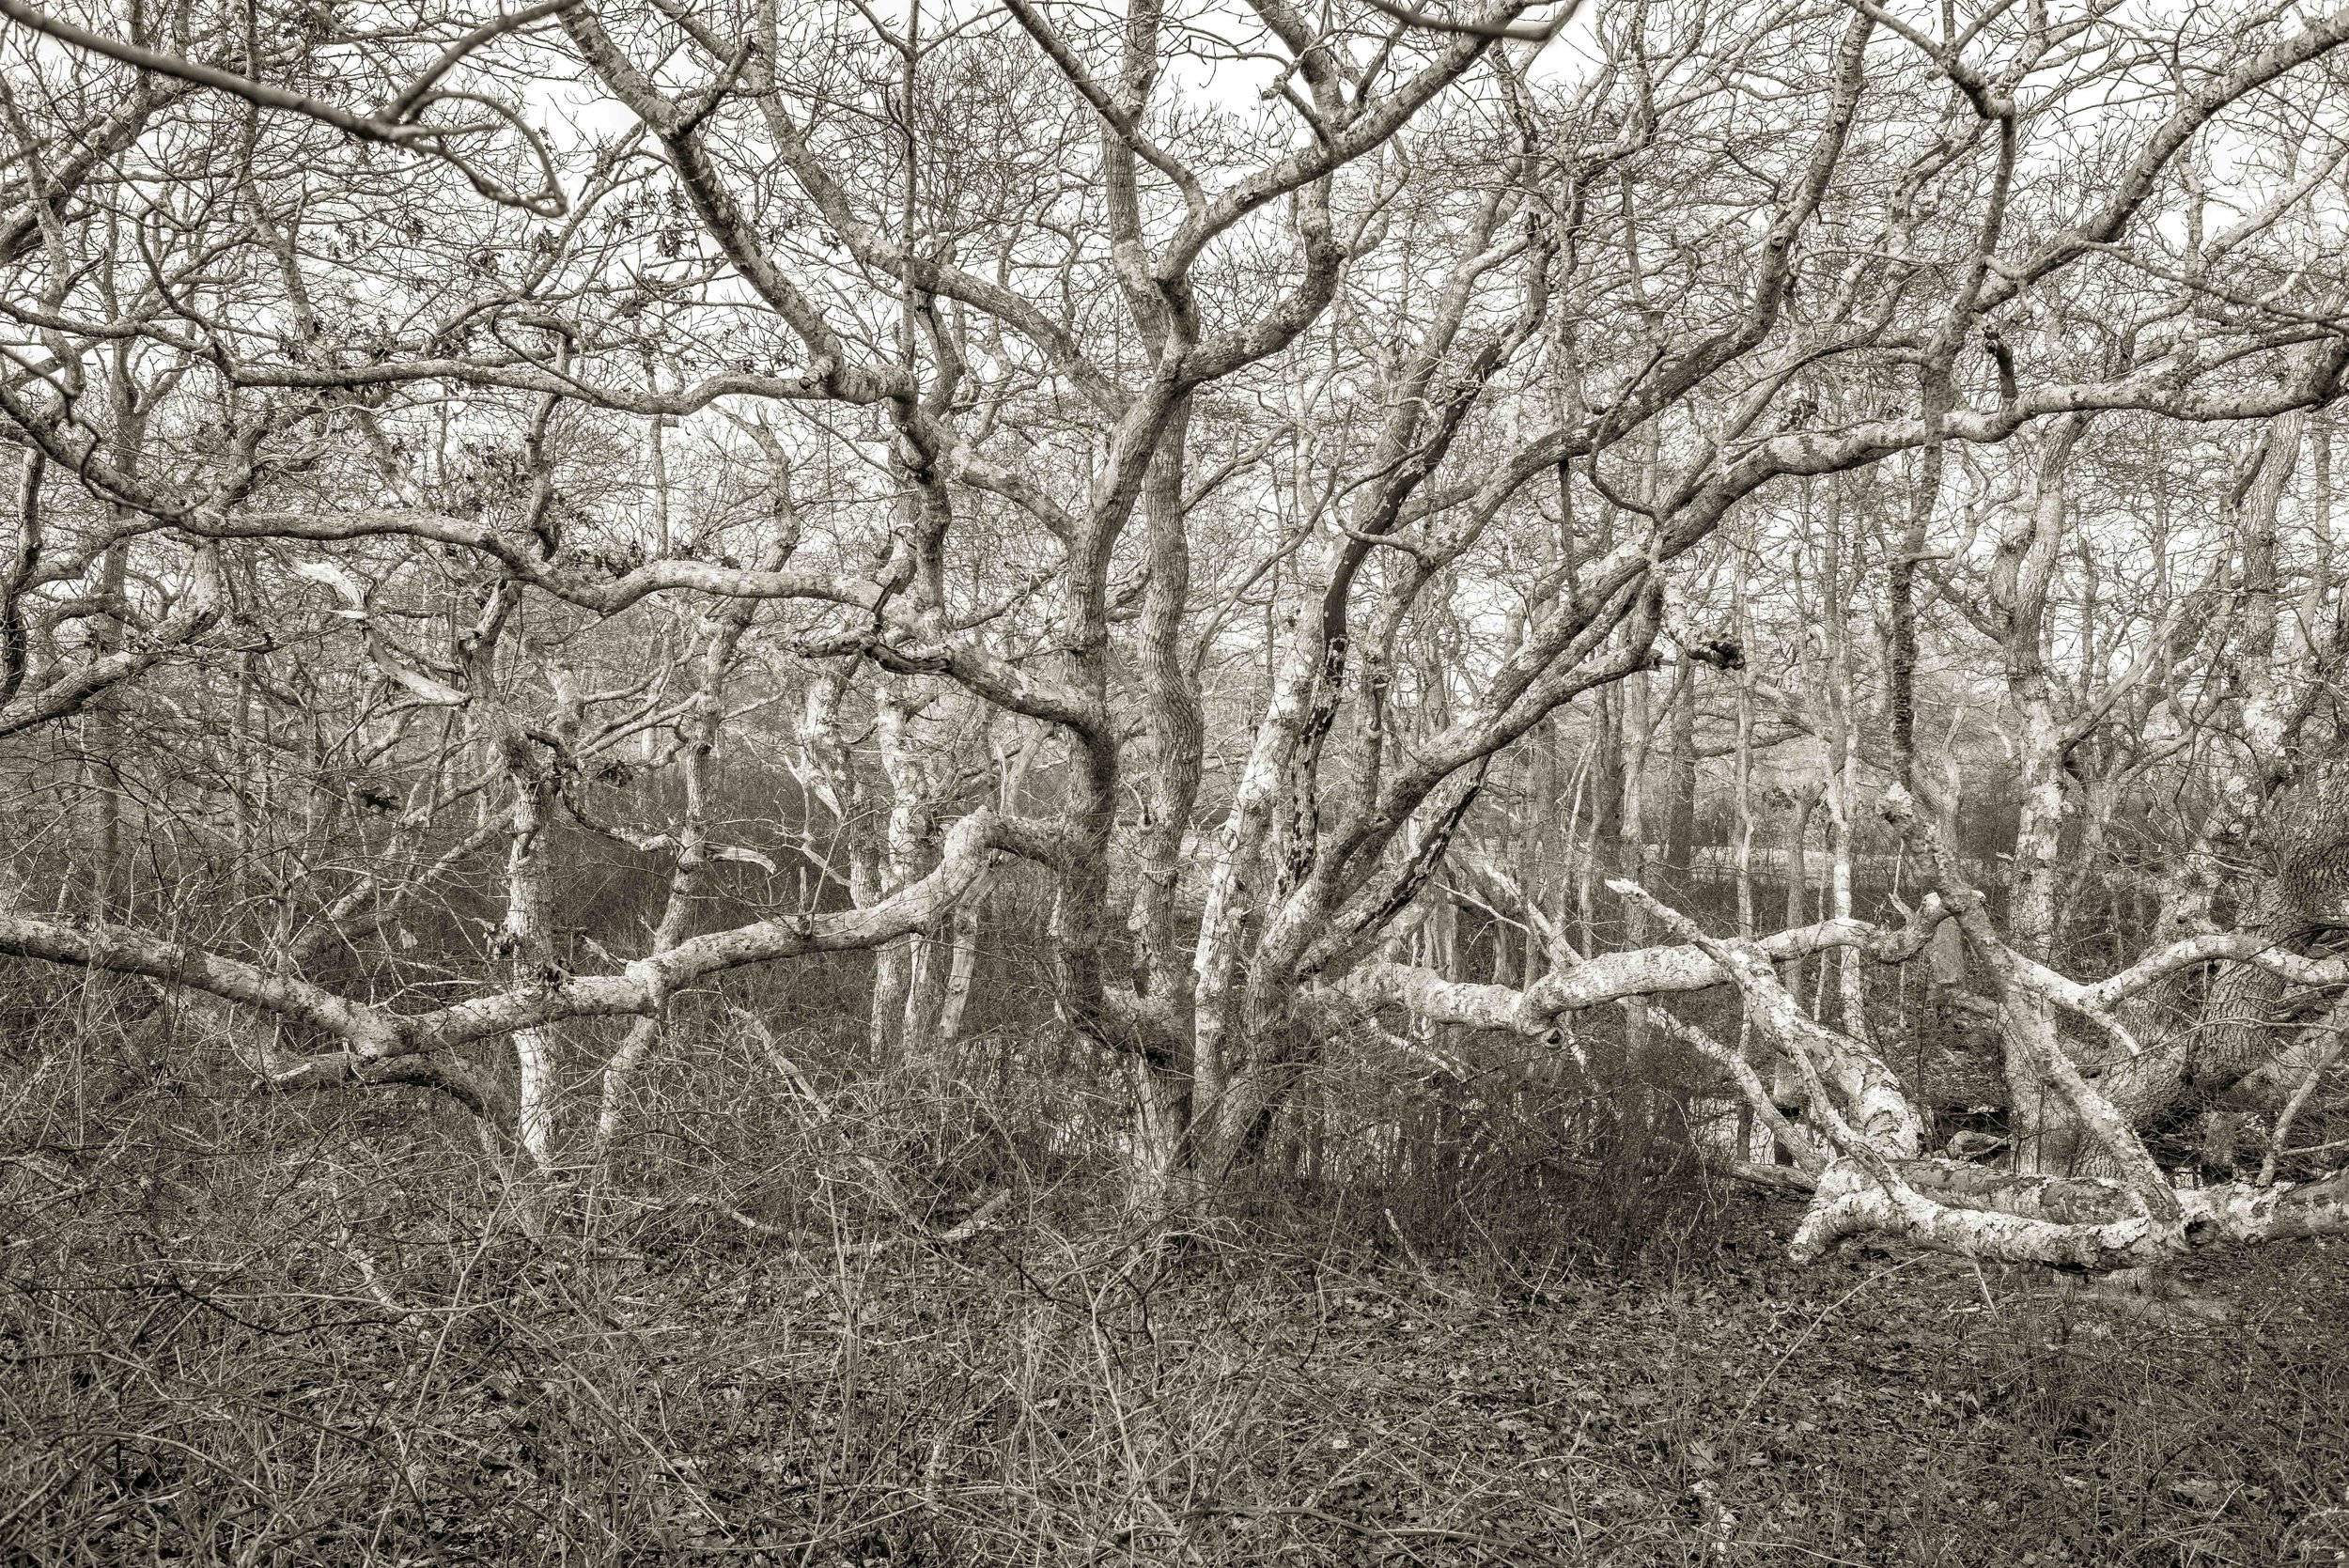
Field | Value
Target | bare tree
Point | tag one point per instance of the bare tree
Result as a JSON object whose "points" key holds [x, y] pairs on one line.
{"points": [[1270, 481]]}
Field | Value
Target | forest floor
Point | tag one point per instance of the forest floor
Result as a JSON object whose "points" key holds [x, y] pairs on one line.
{"points": [[198, 1364]]}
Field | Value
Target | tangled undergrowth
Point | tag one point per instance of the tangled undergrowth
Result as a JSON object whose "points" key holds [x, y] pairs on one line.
{"points": [[331, 1330]]}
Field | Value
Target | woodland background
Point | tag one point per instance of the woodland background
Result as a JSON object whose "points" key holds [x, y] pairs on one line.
{"points": [[1173, 784]]}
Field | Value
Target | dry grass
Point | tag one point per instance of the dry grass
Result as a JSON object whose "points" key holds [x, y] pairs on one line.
{"points": [[329, 1330]]}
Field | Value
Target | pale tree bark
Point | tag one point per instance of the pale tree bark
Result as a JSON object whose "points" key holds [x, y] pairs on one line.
{"points": [[2040, 1132], [699, 731], [525, 939], [1866, 1167]]}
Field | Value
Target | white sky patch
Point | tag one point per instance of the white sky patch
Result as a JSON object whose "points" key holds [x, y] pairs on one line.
{"points": [[1233, 76]]}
